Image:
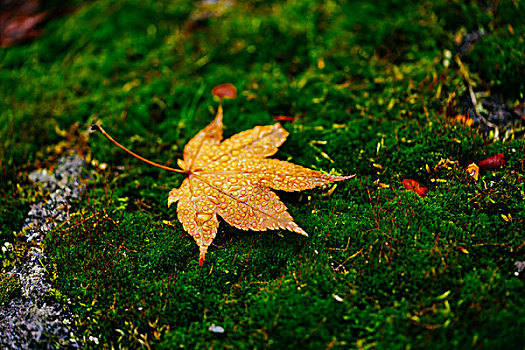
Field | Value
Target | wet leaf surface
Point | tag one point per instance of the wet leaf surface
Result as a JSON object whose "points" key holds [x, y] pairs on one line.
{"points": [[232, 179]]}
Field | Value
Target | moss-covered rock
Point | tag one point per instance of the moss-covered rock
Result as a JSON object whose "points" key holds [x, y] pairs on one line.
{"points": [[375, 90], [9, 287]]}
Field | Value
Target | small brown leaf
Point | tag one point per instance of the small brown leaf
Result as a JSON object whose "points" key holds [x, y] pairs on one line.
{"points": [[21, 28], [414, 186], [225, 91], [282, 118], [493, 162]]}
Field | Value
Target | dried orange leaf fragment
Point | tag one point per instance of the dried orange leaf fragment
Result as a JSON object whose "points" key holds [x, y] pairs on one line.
{"points": [[283, 118], [473, 170], [462, 119], [413, 185], [233, 179], [493, 162], [224, 91]]}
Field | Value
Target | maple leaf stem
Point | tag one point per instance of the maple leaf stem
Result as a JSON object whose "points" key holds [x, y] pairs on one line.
{"points": [[96, 127]]}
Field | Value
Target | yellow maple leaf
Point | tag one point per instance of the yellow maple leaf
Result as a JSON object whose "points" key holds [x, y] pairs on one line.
{"points": [[232, 179]]}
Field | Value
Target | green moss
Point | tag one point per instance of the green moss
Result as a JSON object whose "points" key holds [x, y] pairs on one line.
{"points": [[17, 196], [9, 288], [382, 268]]}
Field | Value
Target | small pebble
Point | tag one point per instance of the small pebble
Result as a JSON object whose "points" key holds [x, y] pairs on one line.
{"points": [[520, 265], [216, 329]]}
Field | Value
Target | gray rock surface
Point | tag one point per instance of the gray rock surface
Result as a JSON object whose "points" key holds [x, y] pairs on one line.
{"points": [[33, 321]]}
